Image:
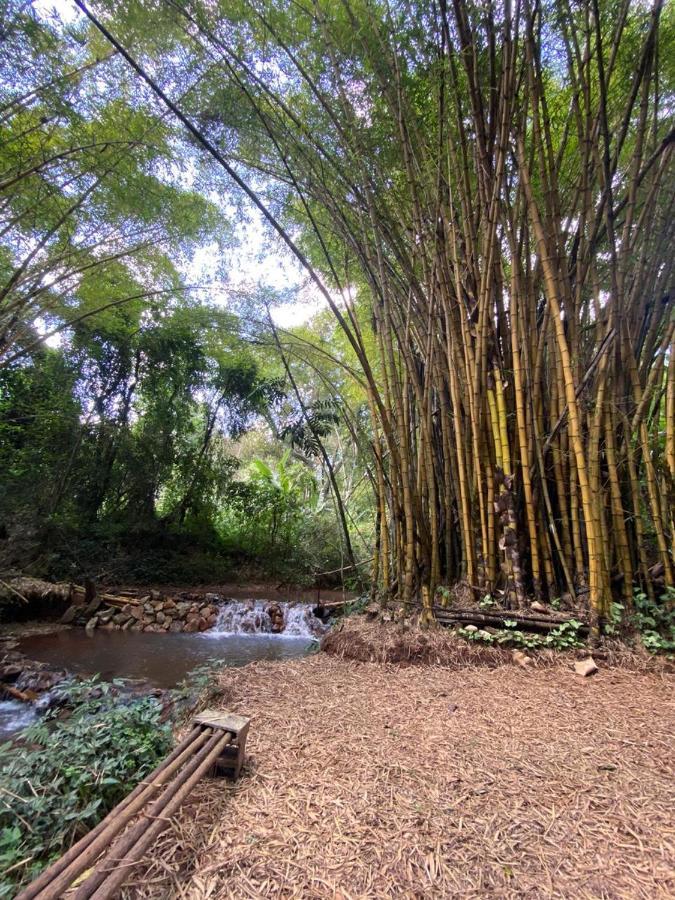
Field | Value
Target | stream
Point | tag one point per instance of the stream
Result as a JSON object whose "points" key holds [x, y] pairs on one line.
{"points": [[242, 634]]}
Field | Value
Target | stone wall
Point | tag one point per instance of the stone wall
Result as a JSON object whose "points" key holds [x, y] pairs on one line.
{"points": [[152, 613]]}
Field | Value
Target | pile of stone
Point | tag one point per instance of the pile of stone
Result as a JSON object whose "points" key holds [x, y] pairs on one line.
{"points": [[153, 613], [22, 678]]}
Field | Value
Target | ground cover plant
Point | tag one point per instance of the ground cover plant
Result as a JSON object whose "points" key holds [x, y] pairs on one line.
{"points": [[67, 774]]}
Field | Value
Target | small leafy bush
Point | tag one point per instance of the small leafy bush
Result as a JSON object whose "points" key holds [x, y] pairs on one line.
{"points": [[69, 774], [562, 637], [656, 621], [354, 607]]}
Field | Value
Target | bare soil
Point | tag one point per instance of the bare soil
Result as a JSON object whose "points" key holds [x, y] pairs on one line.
{"points": [[387, 781]]}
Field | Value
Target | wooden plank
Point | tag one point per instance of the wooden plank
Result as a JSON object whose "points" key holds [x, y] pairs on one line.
{"points": [[216, 718]]}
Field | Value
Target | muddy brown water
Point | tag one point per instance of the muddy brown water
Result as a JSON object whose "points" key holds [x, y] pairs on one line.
{"points": [[241, 635], [160, 660]]}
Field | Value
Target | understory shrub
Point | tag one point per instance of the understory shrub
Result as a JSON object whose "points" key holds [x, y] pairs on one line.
{"points": [[563, 637], [69, 774], [656, 621]]}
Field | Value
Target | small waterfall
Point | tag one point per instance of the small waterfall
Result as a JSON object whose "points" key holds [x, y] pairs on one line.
{"points": [[268, 617], [14, 717]]}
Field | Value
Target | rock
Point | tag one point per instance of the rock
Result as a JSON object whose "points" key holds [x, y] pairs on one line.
{"points": [[205, 611], [128, 608], [71, 614], [471, 628], [212, 620], [108, 626], [176, 627], [120, 618], [203, 624], [148, 607], [521, 659], [155, 595], [136, 627], [91, 625], [10, 673], [538, 607], [160, 617], [93, 607], [485, 634], [585, 667], [169, 604], [106, 615], [137, 612], [191, 626], [127, 625]]}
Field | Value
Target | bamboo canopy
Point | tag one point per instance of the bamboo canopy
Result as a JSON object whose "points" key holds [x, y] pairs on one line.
{"points": [[484, 194]]}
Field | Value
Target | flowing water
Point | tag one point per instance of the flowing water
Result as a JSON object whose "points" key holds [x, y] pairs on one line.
{"points": [[242, 634], [15, 716]]}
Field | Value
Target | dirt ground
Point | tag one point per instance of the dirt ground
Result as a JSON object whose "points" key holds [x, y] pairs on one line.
{"points": [[370, 780]]}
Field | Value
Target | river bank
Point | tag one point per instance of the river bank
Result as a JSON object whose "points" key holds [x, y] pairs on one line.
{"points": [[150, 640]]}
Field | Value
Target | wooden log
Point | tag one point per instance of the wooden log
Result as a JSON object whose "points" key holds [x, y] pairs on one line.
{"points": [[110, 599], [14, 591], [141, 792], [526, 621]]}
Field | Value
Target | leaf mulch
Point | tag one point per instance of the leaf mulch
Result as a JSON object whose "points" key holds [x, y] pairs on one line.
{"points": [[374, 780]]}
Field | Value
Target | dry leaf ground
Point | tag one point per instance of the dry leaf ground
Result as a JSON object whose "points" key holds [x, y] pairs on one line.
{"points": [[372, 780]]}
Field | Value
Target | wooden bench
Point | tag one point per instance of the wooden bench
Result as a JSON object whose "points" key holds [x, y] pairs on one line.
{"points": [[107, 855]]}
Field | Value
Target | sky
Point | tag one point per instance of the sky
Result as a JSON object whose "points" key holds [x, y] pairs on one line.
{"points": [[257, 261]]}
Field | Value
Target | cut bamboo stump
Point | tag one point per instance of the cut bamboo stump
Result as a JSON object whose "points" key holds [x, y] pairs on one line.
{"points": [[108, 853]]}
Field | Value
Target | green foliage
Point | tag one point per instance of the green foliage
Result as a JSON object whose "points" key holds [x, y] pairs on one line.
{"points": [[354, 607], [70, 773], [616, 613], [656, 621], [275, 515], [306, 431], [565, 636]]}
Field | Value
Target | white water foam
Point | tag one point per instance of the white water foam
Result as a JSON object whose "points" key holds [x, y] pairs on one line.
{"points": [[252, 617], [15, 716]]}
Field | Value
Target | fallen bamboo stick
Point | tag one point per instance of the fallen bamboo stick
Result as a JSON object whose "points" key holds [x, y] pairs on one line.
{"points": [[532, 621], [141, 792], [110, 599], [128, 849], [13, 590]]}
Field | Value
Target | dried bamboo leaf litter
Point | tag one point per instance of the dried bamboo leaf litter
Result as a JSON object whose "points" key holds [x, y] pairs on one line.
{"points": [[367, 780]]}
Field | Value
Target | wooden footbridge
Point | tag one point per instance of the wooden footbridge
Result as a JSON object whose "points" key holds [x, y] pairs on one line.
{"points": [[98, 864]]}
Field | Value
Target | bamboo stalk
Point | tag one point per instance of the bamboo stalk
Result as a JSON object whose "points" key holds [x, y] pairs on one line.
{"points": [[54, 880], [141, 836]]}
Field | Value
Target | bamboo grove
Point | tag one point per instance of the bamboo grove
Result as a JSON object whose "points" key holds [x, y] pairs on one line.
{"points": [[484, 195]]}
